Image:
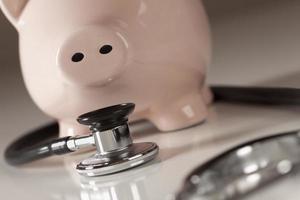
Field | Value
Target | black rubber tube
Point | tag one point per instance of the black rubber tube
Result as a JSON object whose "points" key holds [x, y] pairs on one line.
{"points": [[257, 95], [37, 144]]}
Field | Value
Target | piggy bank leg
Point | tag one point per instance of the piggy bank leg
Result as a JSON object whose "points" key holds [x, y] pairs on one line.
{"points": [[181, 113]]}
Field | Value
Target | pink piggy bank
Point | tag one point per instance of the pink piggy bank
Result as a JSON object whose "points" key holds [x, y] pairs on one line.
{"points": [[79, 55]]}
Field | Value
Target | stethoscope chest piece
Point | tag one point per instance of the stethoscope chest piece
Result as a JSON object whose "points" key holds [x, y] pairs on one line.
{"points": [[115, 150], [134, 155]]}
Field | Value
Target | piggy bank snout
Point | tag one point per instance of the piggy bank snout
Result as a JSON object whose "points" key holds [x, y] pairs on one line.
{"points": [[93, 56]]}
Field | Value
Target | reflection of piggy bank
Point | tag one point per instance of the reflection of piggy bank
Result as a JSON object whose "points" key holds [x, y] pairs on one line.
{"points": [[80, 55]]}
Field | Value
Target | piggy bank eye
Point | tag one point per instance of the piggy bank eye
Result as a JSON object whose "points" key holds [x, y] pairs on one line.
{"points": [[77, 57], [105, 49]]}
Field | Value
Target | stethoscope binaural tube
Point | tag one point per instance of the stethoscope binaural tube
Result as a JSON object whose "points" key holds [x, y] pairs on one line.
{"points": [[244, 169]]}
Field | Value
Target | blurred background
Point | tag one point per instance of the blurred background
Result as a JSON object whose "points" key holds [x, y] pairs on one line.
{"points": [[256, 42]]}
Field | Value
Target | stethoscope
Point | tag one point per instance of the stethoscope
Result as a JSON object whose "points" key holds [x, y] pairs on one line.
{"points": [[115, 150]]}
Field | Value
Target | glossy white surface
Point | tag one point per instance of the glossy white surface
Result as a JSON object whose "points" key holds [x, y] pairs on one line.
{"points": [[251, 47]]}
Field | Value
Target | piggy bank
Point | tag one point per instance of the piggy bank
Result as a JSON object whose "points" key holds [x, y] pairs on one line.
{"points": [[79, 55]]}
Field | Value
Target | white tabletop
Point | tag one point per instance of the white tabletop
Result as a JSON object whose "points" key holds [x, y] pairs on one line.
{"points": [[255, 44]]}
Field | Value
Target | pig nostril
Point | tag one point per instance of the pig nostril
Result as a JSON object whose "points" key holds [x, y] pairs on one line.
{"points": [[105, 49], [77, 57]]}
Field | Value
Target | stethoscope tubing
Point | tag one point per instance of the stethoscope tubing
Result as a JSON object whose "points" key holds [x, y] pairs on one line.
{"points": [[257, 95], [37, 144]]}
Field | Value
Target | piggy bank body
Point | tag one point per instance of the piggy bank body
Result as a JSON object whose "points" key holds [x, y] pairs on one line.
{"points": [[79, 55]]}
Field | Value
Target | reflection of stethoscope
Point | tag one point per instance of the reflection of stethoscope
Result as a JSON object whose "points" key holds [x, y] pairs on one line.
{"points": [[110, 134]]}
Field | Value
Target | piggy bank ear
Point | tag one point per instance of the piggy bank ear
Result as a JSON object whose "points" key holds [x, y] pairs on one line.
{"points": [[13, 9]]}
